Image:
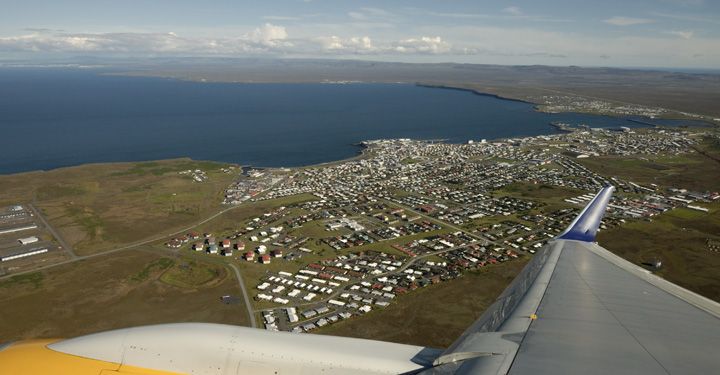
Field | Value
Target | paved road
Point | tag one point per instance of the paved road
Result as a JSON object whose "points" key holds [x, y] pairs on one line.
{"points": [[248, 305], [52, 231]]}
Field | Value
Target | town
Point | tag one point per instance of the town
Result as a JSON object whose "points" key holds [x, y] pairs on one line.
{"points": [[411, 213], [342, 239], [559, 103]]}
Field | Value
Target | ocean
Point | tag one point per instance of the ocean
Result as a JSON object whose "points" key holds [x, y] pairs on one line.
{"points": [[51, 118]]}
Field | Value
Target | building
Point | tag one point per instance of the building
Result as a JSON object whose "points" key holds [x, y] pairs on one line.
{"points": [[226, 244], [18, 229], [334, 225], [23, 254], [28, 240], [249, 256], [277, 253], [265, 259], [212, 249], [227, 252]]}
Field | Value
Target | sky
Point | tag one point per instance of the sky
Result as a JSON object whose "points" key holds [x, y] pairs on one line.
{"points": [[621, 33]]}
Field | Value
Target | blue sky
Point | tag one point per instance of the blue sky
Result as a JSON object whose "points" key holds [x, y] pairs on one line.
{"points": [[649, 33]]}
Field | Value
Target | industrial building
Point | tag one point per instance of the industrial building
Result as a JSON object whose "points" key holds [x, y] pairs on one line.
{"points": [[23, 254]]}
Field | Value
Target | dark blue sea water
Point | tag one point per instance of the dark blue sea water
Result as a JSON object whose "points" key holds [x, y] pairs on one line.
{"points": [[56, 118]]}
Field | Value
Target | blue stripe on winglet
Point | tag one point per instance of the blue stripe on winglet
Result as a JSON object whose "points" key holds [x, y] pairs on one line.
{"points": [[585, 226]]}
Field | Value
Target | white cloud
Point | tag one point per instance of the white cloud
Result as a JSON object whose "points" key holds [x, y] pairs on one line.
{"points": [[348, 45], [683, 34], [110, 42], [365, 46], [266, 39], [627, 21], [527, 45], [358, 16], [268, 34], [425, 44], [513, 10], [461, 43]]}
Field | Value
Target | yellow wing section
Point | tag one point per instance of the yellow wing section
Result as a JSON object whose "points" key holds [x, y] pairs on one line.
{"points": [[33, 357]]}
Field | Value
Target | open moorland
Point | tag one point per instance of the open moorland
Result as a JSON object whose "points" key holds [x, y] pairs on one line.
{"points": [[692, 171], [101, 206], [682, 240], [116, 291]]}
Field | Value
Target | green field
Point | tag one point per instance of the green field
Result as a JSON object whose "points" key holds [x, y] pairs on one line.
{"points": [[679, 239], [100, 206], [194, 274], [538, 192], [550, 198], [692, 171], [238, 218]]}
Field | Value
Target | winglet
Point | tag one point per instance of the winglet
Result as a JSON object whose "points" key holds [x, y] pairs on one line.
{"points": [[585, 226]]}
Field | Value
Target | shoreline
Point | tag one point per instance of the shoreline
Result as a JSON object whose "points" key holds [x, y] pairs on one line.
{"points": [[537, 106], [105, 163], [476, 92], [363, 152]]}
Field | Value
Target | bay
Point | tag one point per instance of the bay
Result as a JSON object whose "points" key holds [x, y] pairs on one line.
{"points": [[51, 118]]}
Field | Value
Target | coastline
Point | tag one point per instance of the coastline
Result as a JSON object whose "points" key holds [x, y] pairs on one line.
{"points": [[119, 163], [474, 91], [538, 106], [363, 152]]}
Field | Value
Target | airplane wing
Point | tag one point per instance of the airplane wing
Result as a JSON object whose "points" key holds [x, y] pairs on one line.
{"points": [[575, 308], [578, 308]]}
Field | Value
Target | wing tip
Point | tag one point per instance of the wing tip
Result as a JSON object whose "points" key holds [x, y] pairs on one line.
{"points": [[586, 224]]}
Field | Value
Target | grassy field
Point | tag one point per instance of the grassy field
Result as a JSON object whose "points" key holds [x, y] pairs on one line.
{"points": [[550, 197], [193, 274], [113, 292], [691, 171], [238, 218], [540, 192], [433, 316], [679, 239], [99, 206]]}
